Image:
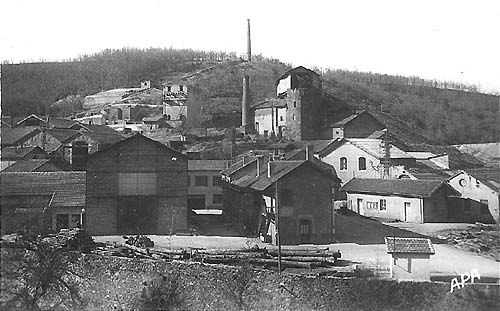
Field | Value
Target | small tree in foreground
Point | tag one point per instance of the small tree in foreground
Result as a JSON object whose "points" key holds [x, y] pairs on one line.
{"points": [[38, 275]]}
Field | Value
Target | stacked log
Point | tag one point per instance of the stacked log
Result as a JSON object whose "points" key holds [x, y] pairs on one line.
{"points": [[296, 258]]}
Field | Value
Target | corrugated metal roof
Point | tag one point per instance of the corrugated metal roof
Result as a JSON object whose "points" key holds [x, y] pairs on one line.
{"points": [[409, 245], [206, 165], [398, 187], [68, 188]]}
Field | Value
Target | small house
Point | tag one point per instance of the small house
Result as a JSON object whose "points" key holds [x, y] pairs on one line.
{"points": [[55, 200], [480, 195], [407, 200], [155, 123], [409, 258]]}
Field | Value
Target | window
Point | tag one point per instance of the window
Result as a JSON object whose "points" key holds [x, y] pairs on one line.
{"points": [[217, 199], [201, 181], [294, 104], [216, 181], [180, 88], [169, 88], [281, 118], [293, 117], [343, 164], [362, 164], [383, 205], [372, 205], [136, 184]]}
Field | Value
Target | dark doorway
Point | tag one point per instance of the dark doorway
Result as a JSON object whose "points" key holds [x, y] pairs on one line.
{"points": [[194, 202], [137, 215]]}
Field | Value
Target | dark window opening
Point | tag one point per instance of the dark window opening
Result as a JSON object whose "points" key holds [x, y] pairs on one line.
{"points": [[362, 164]]}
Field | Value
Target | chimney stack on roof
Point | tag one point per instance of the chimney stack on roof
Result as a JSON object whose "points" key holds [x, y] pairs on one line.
{"points": [[270, 165]]}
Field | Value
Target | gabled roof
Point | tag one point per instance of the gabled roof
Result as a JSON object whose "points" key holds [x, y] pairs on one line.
{"points": [[426, 170], [53, 121], [397, 187], [270, 103], [153, 119], [18, 135], [408, 245], [66, 188], [30, 165], [206, 165], [134, 137], [490, 176], [457, 159], [97, 128], [374, 148], [103, 138], [346, 120], [63, 135], [296, 69], [18, 153]]}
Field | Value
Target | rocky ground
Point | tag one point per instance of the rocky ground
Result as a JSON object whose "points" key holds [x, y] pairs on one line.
{"points": [[481, 239]]}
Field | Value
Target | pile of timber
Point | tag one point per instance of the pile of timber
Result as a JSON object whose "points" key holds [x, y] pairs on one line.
{"points": [[308, 258], [71, 239]]}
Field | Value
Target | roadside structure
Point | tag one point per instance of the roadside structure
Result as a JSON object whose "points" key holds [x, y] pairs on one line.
{"points": [[407, 200], [136, 185], [409, 258], [480, 195]]}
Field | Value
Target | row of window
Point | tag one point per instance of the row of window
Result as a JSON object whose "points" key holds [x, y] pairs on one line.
{"points": [[361, 164], [202, 181], [381, 205]]}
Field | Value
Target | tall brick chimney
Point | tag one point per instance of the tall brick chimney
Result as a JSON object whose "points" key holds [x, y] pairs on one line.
{"points": [[309, 152], [249, 43], [246, 120]]}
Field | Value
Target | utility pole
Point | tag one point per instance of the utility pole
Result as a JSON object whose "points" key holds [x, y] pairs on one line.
{"points": [[386, 161], [277, 218]]}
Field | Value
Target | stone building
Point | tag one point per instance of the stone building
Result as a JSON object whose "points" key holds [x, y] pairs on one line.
{"points": [[256, 189], [136, 185]]}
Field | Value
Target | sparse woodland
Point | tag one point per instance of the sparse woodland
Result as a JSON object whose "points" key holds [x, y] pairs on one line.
{"points": [[448, 112]]}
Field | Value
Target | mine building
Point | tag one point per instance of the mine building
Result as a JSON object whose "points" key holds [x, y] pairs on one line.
{"points": [[136, 185]]}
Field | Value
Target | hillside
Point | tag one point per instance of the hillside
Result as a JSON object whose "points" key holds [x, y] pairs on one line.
{"points": [[416, 110], [445, 112]]}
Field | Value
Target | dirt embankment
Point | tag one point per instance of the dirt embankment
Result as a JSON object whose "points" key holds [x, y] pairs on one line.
{"points": [[114, 283]]}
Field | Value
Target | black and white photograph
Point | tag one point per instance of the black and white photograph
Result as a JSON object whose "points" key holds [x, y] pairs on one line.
{"points": [[250, 155]]}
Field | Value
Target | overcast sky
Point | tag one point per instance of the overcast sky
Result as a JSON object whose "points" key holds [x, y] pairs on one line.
{"points": [[447, 40]]}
